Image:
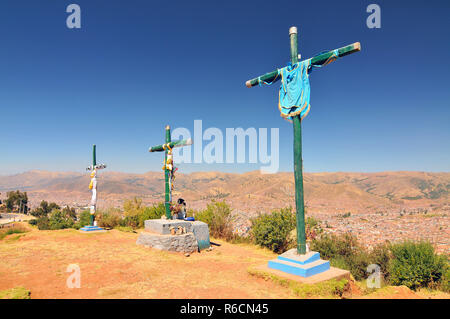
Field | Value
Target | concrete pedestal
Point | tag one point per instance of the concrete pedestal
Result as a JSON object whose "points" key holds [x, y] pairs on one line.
{"points": [[185, 243], [159, 234], [92, 229], [162, 226], [306, 265]]}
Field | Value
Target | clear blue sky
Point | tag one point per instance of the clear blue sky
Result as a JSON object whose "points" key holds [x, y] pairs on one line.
{"points": [[135, 66]]}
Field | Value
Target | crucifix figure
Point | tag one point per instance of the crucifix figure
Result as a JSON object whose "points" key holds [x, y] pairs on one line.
{"points": [[168, 166], [294, 106], [93, 184]]}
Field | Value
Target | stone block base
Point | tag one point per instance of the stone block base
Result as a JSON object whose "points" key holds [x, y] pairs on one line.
{"points": [[185, 243], [201, 233], [200, 230], [162, 226]]}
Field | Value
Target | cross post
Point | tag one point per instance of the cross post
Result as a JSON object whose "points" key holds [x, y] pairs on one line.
{"points": [[93, 183], [317, 61], [168, 167]]}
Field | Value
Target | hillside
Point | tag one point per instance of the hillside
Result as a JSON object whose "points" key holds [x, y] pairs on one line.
{"points": [[250, 192], [38, 262]]}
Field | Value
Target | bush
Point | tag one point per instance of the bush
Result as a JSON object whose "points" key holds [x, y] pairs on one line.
{"points": [[43, 223], [381, 255], [445, 282], [44, 209], [134, 215], [133, 209], [416, 265], [343, 252], [61, 219], [109, 219], [218, 216], [272, 230], [84, 219], [154, 212], [32, 222]]}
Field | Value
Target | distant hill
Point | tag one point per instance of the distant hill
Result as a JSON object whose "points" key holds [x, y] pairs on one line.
{"points": [[250, 192]]}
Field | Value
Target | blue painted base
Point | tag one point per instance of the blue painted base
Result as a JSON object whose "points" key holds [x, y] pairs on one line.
{"points": [[91, 228], [303, 266]]}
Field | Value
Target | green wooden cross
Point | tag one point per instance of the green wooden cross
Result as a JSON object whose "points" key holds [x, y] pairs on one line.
{"points": [[167, 171], [94, 167], [319, 60]]}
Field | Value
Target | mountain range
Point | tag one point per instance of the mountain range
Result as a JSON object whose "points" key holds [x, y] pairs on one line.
{"points": [[248, 192]]}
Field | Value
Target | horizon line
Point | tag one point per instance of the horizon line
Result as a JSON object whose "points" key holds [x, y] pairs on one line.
{"points": [[233, 173]]}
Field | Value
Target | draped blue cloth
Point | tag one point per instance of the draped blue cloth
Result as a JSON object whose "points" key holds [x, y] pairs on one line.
{"points": [[294, 91]]}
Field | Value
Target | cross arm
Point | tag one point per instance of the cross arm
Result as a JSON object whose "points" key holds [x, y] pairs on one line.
{"points": [[101, 166], [315, 61], [160, 148]]}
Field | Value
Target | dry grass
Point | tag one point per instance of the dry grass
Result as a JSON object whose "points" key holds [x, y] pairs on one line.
{"points": [[113, 266]]}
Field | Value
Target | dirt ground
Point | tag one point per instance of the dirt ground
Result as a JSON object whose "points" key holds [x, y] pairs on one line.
{"points": [[113, 266]]}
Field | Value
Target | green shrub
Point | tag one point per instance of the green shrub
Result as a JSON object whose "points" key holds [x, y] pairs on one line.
{"points": [[417, 265], [32, 222], [272, 230], [332, 246], [153, 212], [218, 216], [43, 223], [134, 213], [109, 219], [381, 255], [84, 219], [44, 209], [343, 252], [358, 263], [130, 221], [61, 219], [445, 282]]}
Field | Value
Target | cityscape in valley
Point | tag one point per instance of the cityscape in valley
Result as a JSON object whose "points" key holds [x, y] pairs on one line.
{"points": [[374, 207]]}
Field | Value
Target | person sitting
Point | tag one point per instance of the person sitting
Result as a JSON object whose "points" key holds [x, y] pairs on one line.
{"points": [[179, 210]]}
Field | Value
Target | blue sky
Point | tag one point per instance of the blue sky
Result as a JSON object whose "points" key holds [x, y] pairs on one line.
{"points": [[135, 66]]}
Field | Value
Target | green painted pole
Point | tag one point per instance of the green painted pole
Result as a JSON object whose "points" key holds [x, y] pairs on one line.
{"points": [[298, 161], [317, 60], [94, 158], [166, 173]]}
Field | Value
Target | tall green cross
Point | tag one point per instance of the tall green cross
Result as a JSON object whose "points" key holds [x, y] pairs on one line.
{"points": [[93, 185], [168, 167], [319, 60]]}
